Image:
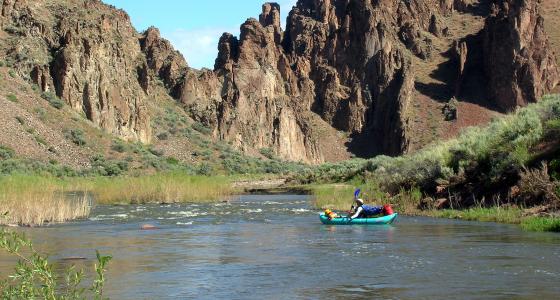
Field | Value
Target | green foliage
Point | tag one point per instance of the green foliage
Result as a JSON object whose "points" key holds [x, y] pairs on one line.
{"points": [[201, 128], [541, 224], [505, 146], [12, 73], [6, 153], [12, 98], [267, 152], [163, 136], [155, 151], [40, 140], [205, 169], [118, 146], [41, 113], [103, 167], [20, 120], [35, 277], [172, 161], [53, 100], [76, 136]]}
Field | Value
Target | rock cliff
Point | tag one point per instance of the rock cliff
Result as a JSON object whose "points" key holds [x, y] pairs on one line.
{"points": [[518, 60], [90, 60], [363, 69]]}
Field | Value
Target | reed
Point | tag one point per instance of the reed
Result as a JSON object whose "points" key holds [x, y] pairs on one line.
{"points": [[160, 188], [340, 196], [34, 201], [492, 214], [541, 224]]}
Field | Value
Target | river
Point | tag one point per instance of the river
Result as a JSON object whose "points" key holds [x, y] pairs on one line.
{"points": [[274, 247]]}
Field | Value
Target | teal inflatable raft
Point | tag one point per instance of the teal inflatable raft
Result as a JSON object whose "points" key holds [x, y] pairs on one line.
{"points": [[360, 221]]}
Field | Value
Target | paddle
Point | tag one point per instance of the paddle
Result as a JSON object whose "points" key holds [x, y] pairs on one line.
{"points": [[356, 194]]}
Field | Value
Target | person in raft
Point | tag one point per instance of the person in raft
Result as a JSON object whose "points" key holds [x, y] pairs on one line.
{"points": [[366, 211]]}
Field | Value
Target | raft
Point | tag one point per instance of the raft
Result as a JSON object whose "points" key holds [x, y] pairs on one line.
{"points": [[359, 221]]}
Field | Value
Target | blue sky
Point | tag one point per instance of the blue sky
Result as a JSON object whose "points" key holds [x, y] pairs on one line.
{"points": [[194, 26]]}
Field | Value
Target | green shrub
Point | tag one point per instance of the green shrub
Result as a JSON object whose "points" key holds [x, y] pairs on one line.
{"points": [[103, 167], [267, 152], [12, 73], [163, 136], [118, 146], [53, 100], [40, 140], [155, 151], [20, 120], [172, 160], [205, 169], [76, 136], [555, 169], [6, 153], [41, 113], [201, 128], [36, 278], [12, 98]]}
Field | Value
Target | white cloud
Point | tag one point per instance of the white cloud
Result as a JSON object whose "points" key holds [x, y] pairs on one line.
{"points": [[199, 46]]}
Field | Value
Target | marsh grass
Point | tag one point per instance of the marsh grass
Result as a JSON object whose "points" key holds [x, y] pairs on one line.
{"points": [[541, 224], [160, 188], [31, 200], [34, 201], [492, 214], [332, 196], [340, 196]]}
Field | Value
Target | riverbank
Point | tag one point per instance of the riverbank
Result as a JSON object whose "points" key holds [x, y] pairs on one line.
{"points": [[33, 200], [339, 197]]}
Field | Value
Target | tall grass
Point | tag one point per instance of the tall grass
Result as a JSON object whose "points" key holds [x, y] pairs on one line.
{"points": [[160, 188], [492, 214], [541, 224], [341, 196], [332, 196], [36, 200], [33, 200]]}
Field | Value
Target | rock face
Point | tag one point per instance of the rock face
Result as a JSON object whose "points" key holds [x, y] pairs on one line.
{"points": [[339, 59], [517, 57], [349, 64], [92, 64]]}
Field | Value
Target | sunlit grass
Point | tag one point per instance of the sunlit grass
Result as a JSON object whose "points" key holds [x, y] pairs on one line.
{"points": [[160, 188], [332, 196], [34, 200], [492, 214], [541, 224]]}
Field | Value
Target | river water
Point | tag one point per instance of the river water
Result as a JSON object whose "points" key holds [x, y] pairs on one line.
{"points": [[274, 247]]}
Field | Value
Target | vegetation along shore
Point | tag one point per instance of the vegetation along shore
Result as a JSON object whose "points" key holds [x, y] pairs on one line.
{"points": [[507, 172]]}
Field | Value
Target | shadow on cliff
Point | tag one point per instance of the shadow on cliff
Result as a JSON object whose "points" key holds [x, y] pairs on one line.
{"points": [[362, 145]]}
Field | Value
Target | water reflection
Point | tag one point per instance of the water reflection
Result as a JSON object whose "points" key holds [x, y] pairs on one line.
{"points": [[275, 247]]}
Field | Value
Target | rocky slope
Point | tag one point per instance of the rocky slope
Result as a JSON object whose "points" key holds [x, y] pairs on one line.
{"points": [[353, 64], [367, 77], [85, 52]]}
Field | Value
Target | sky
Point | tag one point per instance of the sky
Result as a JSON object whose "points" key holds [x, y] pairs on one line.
{"points": [[195, 26]]}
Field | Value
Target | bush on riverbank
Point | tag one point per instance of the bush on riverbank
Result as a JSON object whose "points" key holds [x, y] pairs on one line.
{"points": [[477, 162], [35, 277]]}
